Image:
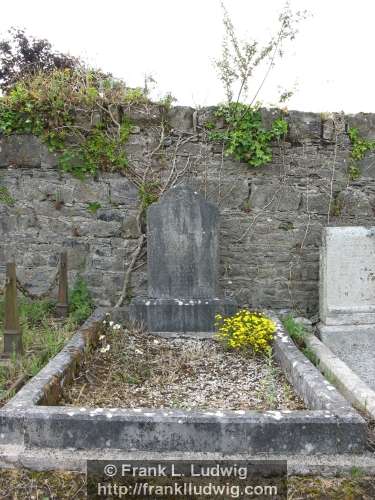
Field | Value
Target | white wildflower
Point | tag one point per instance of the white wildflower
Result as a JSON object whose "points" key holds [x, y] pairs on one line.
{"points": [[116, 327], [105, 349], [111, 323], [102, 337]]}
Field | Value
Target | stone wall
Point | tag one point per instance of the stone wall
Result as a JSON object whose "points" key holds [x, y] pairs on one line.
{"points": [[271, 217]]}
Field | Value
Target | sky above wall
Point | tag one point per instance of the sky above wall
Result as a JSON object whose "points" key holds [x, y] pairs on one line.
{"points": [[329, 65]]}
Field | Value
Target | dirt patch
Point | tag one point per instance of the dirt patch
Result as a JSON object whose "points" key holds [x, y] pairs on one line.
{"points": [[133, 369]]}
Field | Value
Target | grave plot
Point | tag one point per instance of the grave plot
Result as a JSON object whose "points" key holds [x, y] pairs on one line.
{"points": [[33, 421], [344, 345], [43, 336], [182, 301], [33, 329], [133, 369]]}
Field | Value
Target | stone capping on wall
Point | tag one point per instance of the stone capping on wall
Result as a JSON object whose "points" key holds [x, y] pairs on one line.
{"points": [[331, 426]]}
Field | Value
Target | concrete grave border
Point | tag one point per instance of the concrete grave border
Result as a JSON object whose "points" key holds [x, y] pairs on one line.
{"points": [[347, 381], [331, 427]]}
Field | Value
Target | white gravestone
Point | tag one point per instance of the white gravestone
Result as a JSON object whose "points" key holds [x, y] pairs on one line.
{"points": [[347, 296]]}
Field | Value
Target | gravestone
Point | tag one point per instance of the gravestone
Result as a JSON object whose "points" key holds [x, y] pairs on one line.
{"points": [[347, 297], [182, 260]]}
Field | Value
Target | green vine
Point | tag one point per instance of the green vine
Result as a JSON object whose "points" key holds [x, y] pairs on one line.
{"points": [[148, 193], [245, 137], [360, 146], [79, 113], [5, 197]]}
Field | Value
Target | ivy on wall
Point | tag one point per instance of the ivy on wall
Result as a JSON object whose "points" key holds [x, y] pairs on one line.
{"points": [[360, 146], [244, 136]]}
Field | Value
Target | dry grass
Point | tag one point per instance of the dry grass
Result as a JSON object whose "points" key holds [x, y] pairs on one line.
{"points": [[43, 337], [331, 488], [141, 370], [24, 484]]}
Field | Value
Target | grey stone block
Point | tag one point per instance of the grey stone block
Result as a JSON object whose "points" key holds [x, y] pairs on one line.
{"points": [[353, 202], [304, 127], [180, 315], [355, 345], [21, 151], [180, 118]]}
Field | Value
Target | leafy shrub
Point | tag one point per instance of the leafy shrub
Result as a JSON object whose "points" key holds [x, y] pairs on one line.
{"points": [[31, 312], [78, 112], [22, 55], [80, 301], [246, 330]]}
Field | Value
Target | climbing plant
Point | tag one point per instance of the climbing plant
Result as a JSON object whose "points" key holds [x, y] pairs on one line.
{"points": [[245, 136], [360, 146]]}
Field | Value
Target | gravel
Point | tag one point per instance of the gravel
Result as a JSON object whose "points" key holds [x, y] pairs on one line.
{"points": [[142, 370]]}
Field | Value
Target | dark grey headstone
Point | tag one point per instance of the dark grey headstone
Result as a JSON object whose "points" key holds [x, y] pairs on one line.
{"points": [[183, 259], [182, 246]]}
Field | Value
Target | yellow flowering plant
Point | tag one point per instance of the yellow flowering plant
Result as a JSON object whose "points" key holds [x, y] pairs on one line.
{"points": [[246, 330]]}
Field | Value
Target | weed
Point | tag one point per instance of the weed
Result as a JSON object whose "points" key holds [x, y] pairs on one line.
{"points": [[360, 146], [77, 112], [5, 197], [80, 301], [93, 207], [310, 354], [296, 331], [336, 206]]}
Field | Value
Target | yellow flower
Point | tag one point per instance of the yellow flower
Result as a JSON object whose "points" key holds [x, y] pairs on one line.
{"points": [[246, 330]]}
